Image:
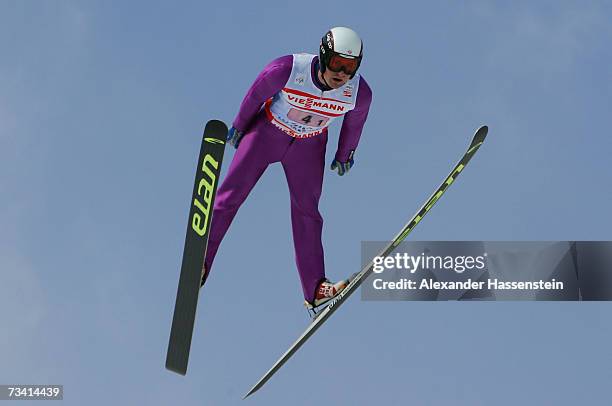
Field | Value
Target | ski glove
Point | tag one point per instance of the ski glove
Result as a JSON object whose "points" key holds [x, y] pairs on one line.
{"points": [[343, 167], [234, 137]]}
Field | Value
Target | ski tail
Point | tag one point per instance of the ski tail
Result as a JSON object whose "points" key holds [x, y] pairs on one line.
{"points": [[324, 314], [196, 241]]}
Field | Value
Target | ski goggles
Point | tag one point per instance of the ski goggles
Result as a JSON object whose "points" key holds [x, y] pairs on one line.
{"points": [[339, 63]]}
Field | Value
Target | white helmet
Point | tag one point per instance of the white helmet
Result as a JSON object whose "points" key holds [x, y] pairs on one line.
{"points": [[341, 50]]}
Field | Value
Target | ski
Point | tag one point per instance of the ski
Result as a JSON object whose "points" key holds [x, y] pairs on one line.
{"points": [[361, 276], [196, 241]]}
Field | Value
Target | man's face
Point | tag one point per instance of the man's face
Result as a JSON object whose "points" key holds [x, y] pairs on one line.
{"points": [[335, 79]]}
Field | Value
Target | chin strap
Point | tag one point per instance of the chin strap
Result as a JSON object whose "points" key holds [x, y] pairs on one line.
{"points": [[325, 82], [323, 77]]}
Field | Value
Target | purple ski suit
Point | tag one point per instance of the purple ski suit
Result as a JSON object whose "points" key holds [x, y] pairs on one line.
{"points": [[303, 161]]}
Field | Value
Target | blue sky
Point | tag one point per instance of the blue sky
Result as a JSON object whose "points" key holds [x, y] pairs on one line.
{"points": [[101, 111]]}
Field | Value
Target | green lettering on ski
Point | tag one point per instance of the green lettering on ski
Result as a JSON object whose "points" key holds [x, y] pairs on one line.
{"points": [[199, 222]]}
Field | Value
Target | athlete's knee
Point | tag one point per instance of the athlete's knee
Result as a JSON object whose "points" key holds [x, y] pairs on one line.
{"points": [[307, 208], [230, 199]]}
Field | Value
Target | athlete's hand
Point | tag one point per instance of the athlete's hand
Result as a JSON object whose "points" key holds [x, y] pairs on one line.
{"points": [[343, 167], [234, 137]]}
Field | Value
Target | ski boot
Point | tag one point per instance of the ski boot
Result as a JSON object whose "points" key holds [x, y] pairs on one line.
{"points": [[325, 292]]}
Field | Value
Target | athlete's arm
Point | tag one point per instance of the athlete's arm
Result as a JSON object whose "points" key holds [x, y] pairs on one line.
{"points": [[353, 122], [270, 81]]}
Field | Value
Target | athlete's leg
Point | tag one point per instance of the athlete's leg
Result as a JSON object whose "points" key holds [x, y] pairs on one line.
{"points": [[304, 165], [258, 148]]}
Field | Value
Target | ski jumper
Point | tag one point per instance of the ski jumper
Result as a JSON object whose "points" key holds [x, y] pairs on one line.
{"points": [[284, 118]]}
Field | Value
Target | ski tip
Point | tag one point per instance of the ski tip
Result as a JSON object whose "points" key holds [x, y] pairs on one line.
{"points": [[480, 135], [483, 130], [216, 126]]}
